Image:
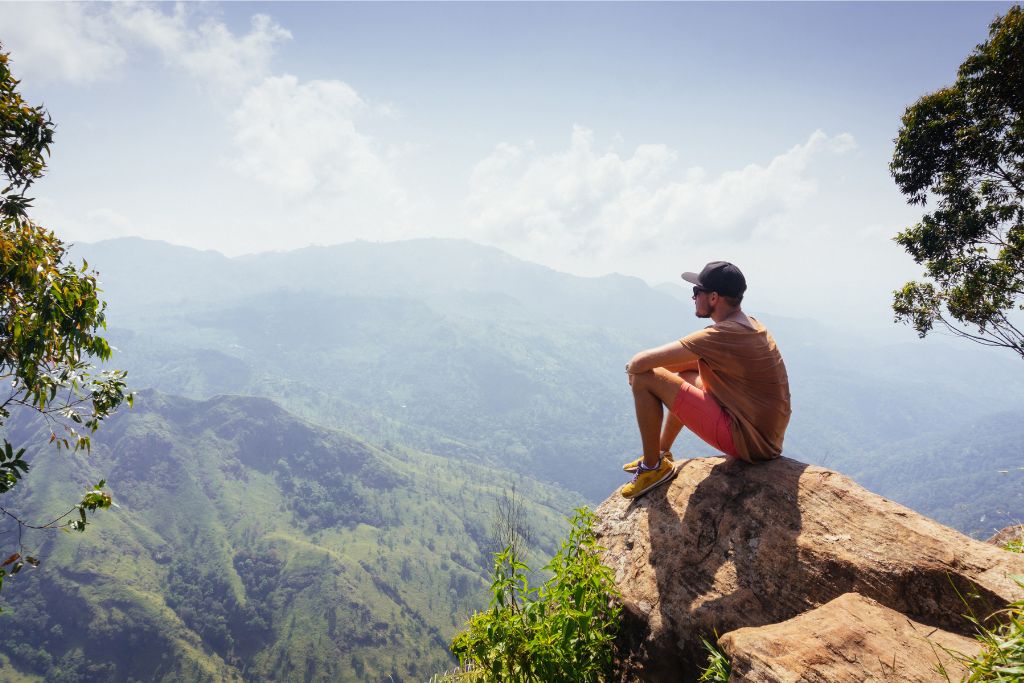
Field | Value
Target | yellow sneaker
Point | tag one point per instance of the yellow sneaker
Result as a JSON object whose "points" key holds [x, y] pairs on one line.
{"points": [[632, 465], [645, 480]]}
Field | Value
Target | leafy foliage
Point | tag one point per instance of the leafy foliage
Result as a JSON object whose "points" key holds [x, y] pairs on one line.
{"points": [[965, 145], [50, 313], [25, 136], [12, 467], [561, 631]]}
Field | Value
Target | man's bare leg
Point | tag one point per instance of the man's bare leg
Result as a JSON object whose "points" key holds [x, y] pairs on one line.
{"points": [[673, 425], [669, 431], [652, 391]]}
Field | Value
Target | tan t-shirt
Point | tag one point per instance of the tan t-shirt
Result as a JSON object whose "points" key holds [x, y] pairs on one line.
{"points": [[742, 369]]}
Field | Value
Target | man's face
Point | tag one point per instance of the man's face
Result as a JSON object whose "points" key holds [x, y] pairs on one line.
{"points": [[702, 302]]}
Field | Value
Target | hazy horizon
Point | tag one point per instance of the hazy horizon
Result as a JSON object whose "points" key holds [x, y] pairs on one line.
{"points": [[681, 314], [593, 138]]}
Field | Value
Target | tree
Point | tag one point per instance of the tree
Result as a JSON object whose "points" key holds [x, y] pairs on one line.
{"points": [[50, 318], [510, 528], [964, 147]]}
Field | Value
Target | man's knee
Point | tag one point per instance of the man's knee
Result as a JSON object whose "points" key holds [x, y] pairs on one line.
{"points": [[661, 382], [641, 381], [651, 378]]}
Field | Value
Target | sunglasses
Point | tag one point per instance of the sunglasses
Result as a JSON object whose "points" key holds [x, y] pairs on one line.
{"points": [[699, 290]]}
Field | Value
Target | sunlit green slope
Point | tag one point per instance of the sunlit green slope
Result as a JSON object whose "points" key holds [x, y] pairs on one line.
{"points": [[251, 544]]}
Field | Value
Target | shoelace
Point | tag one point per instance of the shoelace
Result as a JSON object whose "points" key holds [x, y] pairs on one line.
{"points": [[641, 468]]}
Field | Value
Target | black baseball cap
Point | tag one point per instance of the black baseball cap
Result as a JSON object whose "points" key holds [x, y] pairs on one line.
{"points": [[719, 276]]}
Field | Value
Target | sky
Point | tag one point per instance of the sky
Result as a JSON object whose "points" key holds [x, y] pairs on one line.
{"points": [[636, 138]]}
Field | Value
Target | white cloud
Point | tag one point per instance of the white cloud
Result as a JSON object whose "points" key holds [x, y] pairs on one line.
{"points": [[85, 42], [149, 26], [209, 51], [299, 138], [87, 225], [60, 41], [585, 202]]}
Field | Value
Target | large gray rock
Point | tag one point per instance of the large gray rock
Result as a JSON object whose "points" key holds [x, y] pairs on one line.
{"points": [[728, 545]]}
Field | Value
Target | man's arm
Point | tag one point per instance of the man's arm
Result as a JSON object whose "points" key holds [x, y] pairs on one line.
{"points": [[682, 367], [672, 356]]}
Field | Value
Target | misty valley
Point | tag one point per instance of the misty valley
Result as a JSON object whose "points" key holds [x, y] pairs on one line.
{"points": [[306, 485]]}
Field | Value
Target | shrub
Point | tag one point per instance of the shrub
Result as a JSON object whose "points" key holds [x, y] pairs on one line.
{"points": [[560, 631]]}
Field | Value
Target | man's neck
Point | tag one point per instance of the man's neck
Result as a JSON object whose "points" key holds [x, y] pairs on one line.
{"points": [[725, 314]]}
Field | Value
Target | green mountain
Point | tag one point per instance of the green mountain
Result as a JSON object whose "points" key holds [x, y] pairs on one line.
{"points": [[970, 477], [453, 347], [252, 545]]}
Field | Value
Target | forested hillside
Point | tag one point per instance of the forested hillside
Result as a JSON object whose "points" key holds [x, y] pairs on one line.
{"points": [[249, 544], [497, 360], [970, 477]]}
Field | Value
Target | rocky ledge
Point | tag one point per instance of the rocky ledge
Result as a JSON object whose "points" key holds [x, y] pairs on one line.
{"points": [[808, 576]]}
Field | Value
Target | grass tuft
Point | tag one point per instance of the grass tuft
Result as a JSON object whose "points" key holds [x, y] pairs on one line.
{"points": [[460, 674], [718, 667], [1002, 654], [1001, 659]]}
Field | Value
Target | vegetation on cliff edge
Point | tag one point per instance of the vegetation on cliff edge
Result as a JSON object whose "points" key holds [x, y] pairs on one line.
{"points": [[560, 631]]}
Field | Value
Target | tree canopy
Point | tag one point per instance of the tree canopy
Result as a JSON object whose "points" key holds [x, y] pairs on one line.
{"points": [[50, 318], [963, 148]]}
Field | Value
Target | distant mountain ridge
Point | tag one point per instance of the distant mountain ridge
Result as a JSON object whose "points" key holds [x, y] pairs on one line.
{"points": [[427, 269], [460, 348], [970, 477]]}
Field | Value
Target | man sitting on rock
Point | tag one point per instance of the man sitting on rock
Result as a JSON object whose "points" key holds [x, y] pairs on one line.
{"points": [[726, 383]]}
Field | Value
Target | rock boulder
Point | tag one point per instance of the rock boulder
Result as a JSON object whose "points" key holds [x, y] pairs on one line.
{"points": [[728, 545], [851, 639]]}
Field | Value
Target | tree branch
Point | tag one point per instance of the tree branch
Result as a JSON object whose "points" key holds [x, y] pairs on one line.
{"points": [[22, 524], [997, 337], [1008, 178]]}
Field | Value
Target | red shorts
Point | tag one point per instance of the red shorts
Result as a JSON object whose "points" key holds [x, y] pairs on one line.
{"points": [[702, 415]]}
